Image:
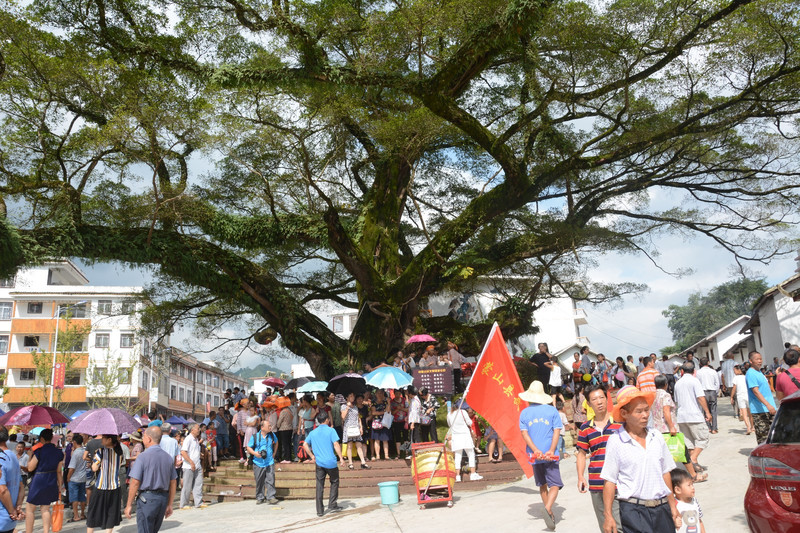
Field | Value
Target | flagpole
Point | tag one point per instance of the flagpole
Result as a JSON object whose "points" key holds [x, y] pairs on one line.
{"points": [[495, 326]]}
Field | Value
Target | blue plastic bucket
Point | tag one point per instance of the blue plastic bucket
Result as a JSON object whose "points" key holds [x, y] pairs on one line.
{"points": [[390, 492]]}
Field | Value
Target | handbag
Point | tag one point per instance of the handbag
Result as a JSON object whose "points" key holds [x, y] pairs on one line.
{"points": [[376, 423], [425, 420], [57, 517], [387, 420], [352, 432], [676, 446]]}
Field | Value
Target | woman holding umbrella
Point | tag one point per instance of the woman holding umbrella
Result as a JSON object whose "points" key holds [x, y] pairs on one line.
{"points": [[47, 463], [352, 431], [105, 509]]}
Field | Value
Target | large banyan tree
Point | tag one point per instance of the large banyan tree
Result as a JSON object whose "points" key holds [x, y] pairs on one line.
{"points": [[265, 156]]}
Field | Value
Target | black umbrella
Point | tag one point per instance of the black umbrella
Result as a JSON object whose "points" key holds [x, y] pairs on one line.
{"points": [[296, 383], [344, 384]]}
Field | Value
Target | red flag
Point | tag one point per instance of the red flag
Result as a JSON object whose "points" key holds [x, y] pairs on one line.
{"points": [[493, 392], [59, 375]]}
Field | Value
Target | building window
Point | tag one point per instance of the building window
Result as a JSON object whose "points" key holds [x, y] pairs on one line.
{"points": [[216, 401], [126, 340], [200, 376], [34, 308], [353, 322], [208, 379], [78, 346], [6, 283], [27, 374], [99, 373], [146, 349], [173, 367], [182, 371], [216, 381], [181, 394], [199, 397], [128, 308], [72, 377], [101, 340], [338, 324], [125, 376], [5, 310], [3, 344], [173, 394], [72, 310], [208, 398], [145, 380], [104, 307], [30, 341]]}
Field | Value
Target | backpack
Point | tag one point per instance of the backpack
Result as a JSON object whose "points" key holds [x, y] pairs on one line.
{"points": [[301, 451]]}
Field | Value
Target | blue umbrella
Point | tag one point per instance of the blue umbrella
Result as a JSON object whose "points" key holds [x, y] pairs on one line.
{"points": [[388, 377], [76, 414], [175, 419], [314, 386]]}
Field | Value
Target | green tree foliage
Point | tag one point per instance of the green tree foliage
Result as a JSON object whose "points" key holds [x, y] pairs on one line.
{"points": [[704, 314], [265, 156]]}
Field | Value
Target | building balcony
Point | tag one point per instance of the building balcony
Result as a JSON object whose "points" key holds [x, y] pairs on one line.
{"points": [[47, 325], [580, 317], [40, 394], [25, 360]]}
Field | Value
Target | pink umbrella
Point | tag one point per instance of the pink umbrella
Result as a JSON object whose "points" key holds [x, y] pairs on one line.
{"points": [[273, 382], [421, 338], [33, 415]]}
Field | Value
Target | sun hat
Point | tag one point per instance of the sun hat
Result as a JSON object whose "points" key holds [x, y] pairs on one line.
{"points": [[536, 394], [462, 404], [136, 437], [626, 395]]}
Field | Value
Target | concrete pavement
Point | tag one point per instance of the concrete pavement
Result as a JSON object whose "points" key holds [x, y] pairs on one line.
{"points": [[514, 507]]}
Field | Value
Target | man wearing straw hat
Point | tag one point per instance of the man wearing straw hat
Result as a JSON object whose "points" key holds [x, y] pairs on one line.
{"points": [[540, 424], [637, 470]]}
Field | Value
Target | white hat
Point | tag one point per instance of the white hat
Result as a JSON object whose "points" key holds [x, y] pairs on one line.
{"points": [[536, 394]]}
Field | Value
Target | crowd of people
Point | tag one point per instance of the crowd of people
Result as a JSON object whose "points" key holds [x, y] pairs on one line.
{"points": [[642, 444]]}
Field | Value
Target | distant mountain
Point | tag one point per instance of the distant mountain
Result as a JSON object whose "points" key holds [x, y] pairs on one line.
{"points": [[258, 371]]}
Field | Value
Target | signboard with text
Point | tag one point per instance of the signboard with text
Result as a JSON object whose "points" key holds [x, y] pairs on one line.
{"points": [[59, 375], [437, 379]]}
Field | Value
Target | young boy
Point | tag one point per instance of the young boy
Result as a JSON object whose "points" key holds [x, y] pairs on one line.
{"points": [[541, 426], [689, 509]]}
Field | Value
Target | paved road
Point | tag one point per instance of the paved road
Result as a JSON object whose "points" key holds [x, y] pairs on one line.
{"points": [[514, 507]]}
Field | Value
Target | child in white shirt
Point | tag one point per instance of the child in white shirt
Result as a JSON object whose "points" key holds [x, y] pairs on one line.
{"points": [[688, 507]]}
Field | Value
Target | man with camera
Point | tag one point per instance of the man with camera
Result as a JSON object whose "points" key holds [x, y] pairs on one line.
{"points": [[263, 446]]}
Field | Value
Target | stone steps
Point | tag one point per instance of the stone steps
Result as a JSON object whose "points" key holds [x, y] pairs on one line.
{"points": [[234, 482]]}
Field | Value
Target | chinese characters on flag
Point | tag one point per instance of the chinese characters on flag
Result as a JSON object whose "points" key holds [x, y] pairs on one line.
{"points": [[493, 393], [59, 375]]}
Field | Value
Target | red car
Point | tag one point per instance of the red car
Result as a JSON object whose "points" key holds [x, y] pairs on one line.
{"points": [[772, 502]]}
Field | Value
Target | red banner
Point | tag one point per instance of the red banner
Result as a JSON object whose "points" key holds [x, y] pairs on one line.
{"points": [[59, 375], [493, 392]]}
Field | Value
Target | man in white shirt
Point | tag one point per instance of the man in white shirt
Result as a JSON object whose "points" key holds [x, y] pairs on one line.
{"points": [[727, 373], [192, 469], [693, 413], [709, 379], [637, 470]]}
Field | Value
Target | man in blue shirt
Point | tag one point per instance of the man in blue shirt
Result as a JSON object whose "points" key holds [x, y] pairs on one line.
{"points": [[322, 446], [263, 446], [153, 483], [12, 490], [762, 404], [540, 425]]}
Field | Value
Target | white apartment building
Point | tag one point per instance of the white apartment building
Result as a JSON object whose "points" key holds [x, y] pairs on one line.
{"points": [[775, 319], [728, 338], [55, 298], [559, 319]]}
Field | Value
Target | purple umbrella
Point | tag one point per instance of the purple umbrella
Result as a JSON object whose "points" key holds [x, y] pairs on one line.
{"points": [[421, 338], [33, 415], [106, 421]]}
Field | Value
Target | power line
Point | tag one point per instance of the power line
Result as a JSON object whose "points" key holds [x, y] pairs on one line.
{"points": [[617, 338], [630, 329]]}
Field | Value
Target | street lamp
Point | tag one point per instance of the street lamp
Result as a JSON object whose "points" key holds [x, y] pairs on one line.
{"points": [[55, 347]]}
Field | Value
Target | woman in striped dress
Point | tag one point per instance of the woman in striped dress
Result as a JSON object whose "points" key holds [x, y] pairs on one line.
{"points": [[105, 504]]}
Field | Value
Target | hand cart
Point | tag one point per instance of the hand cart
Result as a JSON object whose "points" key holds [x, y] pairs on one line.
{"points": [[434, 473]]}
